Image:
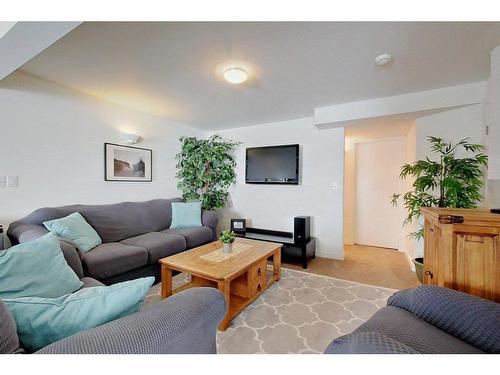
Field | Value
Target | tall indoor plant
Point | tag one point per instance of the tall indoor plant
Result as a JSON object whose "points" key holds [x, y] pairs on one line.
{"points": [[449, 181], [205, 170]]}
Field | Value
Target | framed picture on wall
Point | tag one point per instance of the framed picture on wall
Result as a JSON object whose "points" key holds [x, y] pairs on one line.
{"points": [[126, 163]]}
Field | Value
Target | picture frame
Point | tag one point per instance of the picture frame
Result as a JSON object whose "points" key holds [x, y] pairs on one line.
{"points": [[127, 163], [238, 225]]}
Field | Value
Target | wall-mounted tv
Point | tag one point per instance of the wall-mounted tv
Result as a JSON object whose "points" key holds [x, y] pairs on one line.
{"points": [[272, 165]]}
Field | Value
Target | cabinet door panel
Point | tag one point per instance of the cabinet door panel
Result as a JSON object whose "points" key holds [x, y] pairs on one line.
{"points": [[431, 258], [477, 264]]}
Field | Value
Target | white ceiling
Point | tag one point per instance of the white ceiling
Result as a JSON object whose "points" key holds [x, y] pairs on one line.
{"points": [[171, 69]]}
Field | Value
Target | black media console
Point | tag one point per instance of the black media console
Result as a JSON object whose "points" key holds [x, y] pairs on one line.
{"points": [[292, 251]]}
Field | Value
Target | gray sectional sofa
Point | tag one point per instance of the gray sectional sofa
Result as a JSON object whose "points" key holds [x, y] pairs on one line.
{"points": [[135, 236], [185, 323], [427, 320]]}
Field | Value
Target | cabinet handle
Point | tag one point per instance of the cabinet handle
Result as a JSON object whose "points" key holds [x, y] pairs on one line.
{"points": [[429, 273], [432, 230], [259, 272], [259, 288]]}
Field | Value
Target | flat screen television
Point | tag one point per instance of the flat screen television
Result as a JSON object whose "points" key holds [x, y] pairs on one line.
{"points": [[272, 165]]}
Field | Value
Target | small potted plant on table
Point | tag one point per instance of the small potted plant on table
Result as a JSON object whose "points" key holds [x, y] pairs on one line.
{"points": [[227, 238]]}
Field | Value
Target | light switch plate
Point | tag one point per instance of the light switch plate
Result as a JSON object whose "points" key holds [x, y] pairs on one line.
{"points": [[12, 181], [3, 181]]}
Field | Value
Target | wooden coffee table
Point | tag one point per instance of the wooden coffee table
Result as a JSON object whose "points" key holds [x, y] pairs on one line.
{"points": [[242, 275]]}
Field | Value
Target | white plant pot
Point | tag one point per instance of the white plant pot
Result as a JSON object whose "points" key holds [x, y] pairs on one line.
{"points": [[228, 247]]}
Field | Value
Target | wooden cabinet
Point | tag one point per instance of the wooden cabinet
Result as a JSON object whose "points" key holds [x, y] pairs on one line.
{"points": [[462, 250]]}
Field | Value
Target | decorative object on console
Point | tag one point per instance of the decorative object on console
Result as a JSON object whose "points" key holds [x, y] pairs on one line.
{"points": [[238, 225], [205, 170], [227, 238], [125, 163]]}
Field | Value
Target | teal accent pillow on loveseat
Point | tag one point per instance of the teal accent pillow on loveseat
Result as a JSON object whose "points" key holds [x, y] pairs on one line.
{"points": [[186, 215], [42, 321], [36, 269], [75, 228]]}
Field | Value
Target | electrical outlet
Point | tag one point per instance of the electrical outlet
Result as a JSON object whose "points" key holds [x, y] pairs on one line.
{"points": [[3, 181], [335, 186], [12, 181]]}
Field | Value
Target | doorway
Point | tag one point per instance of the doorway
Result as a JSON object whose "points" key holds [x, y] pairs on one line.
{"points": [[377, 166]]}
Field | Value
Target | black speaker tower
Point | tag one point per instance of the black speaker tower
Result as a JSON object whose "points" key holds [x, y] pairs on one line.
{"points": [[301, 229]]}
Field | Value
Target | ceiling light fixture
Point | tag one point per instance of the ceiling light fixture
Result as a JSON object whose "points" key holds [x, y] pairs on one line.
{"points": [[235, 75], [383, 59], [129, 138]]}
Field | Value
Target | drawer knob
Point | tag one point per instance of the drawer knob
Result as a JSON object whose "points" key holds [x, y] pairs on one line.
{"points": [[429, 273]]}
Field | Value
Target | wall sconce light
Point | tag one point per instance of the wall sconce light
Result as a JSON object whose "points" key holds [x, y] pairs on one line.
{"points": [[129, 138]]}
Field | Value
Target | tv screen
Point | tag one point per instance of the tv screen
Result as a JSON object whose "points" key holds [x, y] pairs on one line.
{"points": [[273, 165]]}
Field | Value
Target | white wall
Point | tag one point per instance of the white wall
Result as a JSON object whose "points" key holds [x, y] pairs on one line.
{"points": [[493, 122], [349, 191], [377, 221], [408, 245], [452, 125], [274, 206], [53, 139]]}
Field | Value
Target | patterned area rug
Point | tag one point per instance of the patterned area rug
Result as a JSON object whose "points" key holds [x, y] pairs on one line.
{"points": [[302, 313]]}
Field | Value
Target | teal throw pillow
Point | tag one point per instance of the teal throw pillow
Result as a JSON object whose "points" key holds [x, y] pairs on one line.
{"points": [[42, 321], [36, 269], [75, 228], [186, 215]]}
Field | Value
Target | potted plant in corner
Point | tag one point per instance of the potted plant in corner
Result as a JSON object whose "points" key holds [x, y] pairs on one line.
{"points": [[227, 238], [205, 170], [449, 181]]}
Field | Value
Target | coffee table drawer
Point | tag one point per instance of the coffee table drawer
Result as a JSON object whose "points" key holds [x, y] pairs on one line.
{"points": [[258, 270], [258, 285]]}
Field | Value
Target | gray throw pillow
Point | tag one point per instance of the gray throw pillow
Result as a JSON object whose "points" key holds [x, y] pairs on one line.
{"points": [[9, 341]]}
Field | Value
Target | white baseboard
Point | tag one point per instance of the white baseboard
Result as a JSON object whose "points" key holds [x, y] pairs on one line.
{"points": [[410, 261], [327, 255]]}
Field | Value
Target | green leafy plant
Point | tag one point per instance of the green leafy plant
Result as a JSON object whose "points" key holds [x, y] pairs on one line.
{"points": [[447, 182], [227, 236], [205, 170]]}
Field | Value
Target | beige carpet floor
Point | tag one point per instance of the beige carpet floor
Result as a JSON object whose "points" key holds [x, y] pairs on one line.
{"points": [[368, 265], [302, 313]]}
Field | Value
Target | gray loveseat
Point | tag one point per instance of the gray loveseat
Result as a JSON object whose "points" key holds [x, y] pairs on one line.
{"points": [[135, 236], [429, 320]]}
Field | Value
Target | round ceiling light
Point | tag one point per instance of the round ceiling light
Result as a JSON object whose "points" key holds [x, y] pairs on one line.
{"points": [[383, 59], [235, 75]]}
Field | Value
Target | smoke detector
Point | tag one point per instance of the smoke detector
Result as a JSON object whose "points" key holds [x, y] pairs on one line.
{"points": [[383, 59]]}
